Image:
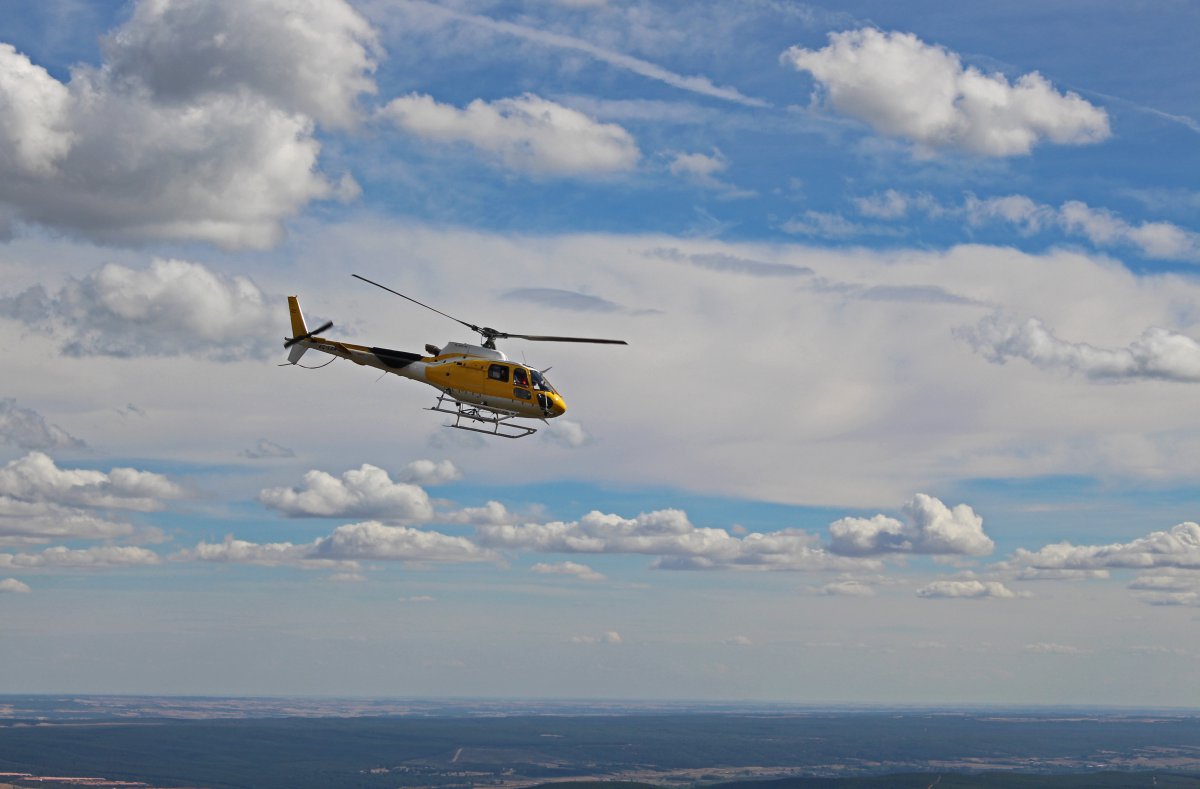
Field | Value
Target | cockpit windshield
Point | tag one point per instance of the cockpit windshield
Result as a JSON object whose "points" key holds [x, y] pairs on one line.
{"points": [[539, 382]]}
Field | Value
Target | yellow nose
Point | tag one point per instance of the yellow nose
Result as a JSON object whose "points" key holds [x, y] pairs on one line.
{"points": [[559, 407]]}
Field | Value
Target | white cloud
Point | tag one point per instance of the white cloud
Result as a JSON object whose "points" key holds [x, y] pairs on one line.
{"points": [[888, 205], [313, 57], [669, 535], [567, 433], [1101, 227], [698, 166], [1168, 587], [40, 501], [34, 133], [821, 224], [428, 472], [198, 124], [274, 554], [88, 558], [970, 589], [904, 87], [1160, 240], [267, 449], [738, 641], [12, 585], [1018, 210], [365, 492], [1177, 547], [701, 169], [36, 478], [526, 133], [493, 513], [344, 548], [930, 527], [1157, 354], [372, 540], [171, 308], [573, 569], [27, 429], [33, 522]]}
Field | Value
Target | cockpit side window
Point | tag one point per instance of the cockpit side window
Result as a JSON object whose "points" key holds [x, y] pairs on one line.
{"points": [[519, 377], [498, 372], [540, 382]]}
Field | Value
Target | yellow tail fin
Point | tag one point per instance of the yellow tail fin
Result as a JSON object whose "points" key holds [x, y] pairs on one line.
{"points": [[298, 326], [298, 329]]}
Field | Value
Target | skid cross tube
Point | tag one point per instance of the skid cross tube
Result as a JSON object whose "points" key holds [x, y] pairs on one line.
{"points": [[497, 419]]}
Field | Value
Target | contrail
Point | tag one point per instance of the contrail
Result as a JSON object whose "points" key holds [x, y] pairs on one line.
{"points": [[695, 84]]}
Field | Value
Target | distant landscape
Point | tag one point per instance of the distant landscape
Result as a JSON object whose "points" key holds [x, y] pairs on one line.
{"points": [[232, 742]]}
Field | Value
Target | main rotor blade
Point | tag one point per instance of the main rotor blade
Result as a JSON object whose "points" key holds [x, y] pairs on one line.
{"points": [[327, 326], [470, 326], [545, 338]]}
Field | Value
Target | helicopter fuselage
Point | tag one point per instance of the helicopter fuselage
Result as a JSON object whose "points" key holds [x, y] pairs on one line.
{"points": [[466, 373]]}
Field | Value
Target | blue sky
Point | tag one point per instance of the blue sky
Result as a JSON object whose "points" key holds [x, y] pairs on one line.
{"points": [[907, 413]]}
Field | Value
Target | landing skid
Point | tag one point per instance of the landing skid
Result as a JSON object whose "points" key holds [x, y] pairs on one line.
{"points": [[502, 424]]}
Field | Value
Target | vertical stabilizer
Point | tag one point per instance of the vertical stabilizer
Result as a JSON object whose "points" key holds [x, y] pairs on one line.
{"points": [[298, 329]]}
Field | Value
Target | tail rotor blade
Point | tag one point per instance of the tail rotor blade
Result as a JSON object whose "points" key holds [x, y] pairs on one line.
{"points": [[323, 328]]}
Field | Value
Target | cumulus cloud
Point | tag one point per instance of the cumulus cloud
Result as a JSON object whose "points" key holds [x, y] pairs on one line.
{"points": [[102, 556], [971, 589], [365, 492], [493, 513], [344, 548], [12, 585], [904, 87], [373, 540], [428, 472], [669, 535], [1101, 227], [27, 429], [40, 501], [36, 478], [929, 527], [197, 125], [266, 449], [170, 308], [572, 569], [1168, 587], [1157, 354], [1177, 547], [527, 133]]}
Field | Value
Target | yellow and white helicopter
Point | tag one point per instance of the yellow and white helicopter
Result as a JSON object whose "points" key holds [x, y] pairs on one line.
{"points": [[477, 383]]}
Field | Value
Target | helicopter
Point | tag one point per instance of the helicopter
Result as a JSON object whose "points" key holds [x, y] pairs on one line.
{"points": [[478, 385]]}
